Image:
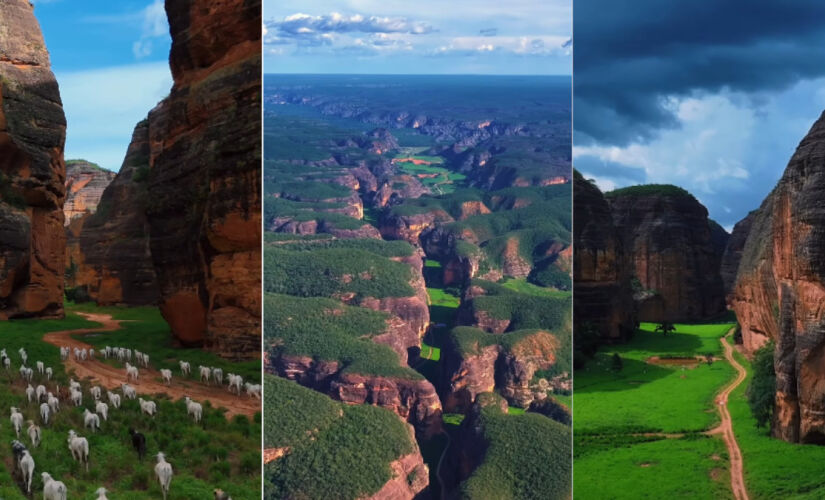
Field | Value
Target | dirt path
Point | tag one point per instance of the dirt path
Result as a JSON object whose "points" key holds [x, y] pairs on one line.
{"points": [[150, 381], [737, 478]]}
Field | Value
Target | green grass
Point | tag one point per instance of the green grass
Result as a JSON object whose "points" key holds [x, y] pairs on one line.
{"points": [[661, 469], [613, 410], [773, 468], [650, 398], [144, 329], [217, 453], [336, 451]]}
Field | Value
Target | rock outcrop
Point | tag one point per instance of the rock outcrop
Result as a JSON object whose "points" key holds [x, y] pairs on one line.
{"points": [[414, 400], [667, 234], [85, 183], [733, 251], [108, 251], [204, 216], [602, 295], [507, 367], [32, 170], [780, 289]]}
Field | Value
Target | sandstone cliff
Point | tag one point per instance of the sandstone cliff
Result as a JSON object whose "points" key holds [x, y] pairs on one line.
{"points": [[733, 251], [780, 289], [85, 183], [32, 170], [204, 215], [667, 233], [414, 400], [108, 251], [602, 296]]}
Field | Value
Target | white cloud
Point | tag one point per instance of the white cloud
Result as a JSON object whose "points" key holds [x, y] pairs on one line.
{"points": [[155, 26], [103, 105]]}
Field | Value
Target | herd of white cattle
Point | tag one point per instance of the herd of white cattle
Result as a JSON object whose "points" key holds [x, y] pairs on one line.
{"points": [[48, 402]]}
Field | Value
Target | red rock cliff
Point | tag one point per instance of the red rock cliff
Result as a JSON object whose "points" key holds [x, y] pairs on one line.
{"points": [[32, 170], [669, 238], [85, 183], [602, 295], [204, 216], [108, 251], [780, 289]]}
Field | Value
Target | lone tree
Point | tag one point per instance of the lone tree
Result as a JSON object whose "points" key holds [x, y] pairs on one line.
{"points": [[617, 363], [665, 327], [709, 358]]}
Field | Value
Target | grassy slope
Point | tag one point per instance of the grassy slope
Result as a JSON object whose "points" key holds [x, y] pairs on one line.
{"points": [[218, 454], [647, 398], [773, 468]]}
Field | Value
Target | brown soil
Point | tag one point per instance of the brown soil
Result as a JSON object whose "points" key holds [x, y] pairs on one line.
{"points": [[737, 479], [685, 362], [150, 382]]}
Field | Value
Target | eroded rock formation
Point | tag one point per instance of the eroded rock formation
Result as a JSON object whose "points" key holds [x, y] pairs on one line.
{"points": [[668, 236], [733, 251], [108, 252], [32, 170], [204, 216], [780, 289], [85, 183], [602, 295], [414, 400]]}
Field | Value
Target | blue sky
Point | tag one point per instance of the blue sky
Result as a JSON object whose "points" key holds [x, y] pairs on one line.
{"points": [[419, 37], [706, 95], [111, 62]]}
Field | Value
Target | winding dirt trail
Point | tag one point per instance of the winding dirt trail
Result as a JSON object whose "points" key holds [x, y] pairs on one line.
{"points": [[737, 478], [150, 381]]}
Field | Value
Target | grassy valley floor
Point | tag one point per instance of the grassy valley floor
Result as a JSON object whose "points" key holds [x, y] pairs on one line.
{"points": [[639, 431]]}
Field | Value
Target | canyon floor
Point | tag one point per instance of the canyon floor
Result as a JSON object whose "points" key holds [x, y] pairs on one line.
{"points": [[664, 437], [223, 451]]}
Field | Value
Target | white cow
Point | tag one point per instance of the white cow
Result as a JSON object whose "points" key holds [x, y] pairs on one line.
{"points": [[166, 375], [79, 447], [91, 420], [53, 490], [163, 471], [102, 409], [16, 419], [148, 407]]}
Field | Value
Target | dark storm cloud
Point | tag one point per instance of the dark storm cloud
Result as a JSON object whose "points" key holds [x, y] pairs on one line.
{"points": [[631, 55]]}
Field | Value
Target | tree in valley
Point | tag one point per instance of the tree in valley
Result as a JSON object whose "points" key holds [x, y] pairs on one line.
{"points": [[761, 392]]}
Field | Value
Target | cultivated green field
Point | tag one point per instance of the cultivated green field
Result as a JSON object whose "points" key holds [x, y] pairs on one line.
{"points": [[215, 454], [435, 176], [619, 416]]}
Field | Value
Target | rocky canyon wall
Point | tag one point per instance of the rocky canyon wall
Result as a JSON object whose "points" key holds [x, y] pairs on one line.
{"points": [[780, 289], [669, 237], [602, 295], [32, 170], [205, 210]]}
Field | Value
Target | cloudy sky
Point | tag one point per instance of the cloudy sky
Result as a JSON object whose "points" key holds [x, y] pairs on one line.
{"points": [[111, 62], [711, 95], [422, 36]]}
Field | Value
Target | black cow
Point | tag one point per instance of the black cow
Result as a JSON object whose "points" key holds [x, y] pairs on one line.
{"points": [[17, 449], [138, 443]]}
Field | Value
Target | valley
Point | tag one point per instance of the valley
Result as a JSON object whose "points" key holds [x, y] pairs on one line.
{"points": [[417, 264]]}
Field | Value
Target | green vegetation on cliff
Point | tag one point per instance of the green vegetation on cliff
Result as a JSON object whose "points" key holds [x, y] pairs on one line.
{"points": [[332, 450], [527, 456], [327, 330], [333, 271]]}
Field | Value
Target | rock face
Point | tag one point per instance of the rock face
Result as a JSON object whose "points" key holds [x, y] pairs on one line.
{"points": [[780, 289], [108, 251], [509, 370], [733, 251], [204, 216], [668, 236], [602, 295], [85, 183], [32, 170], [413, 400]]}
